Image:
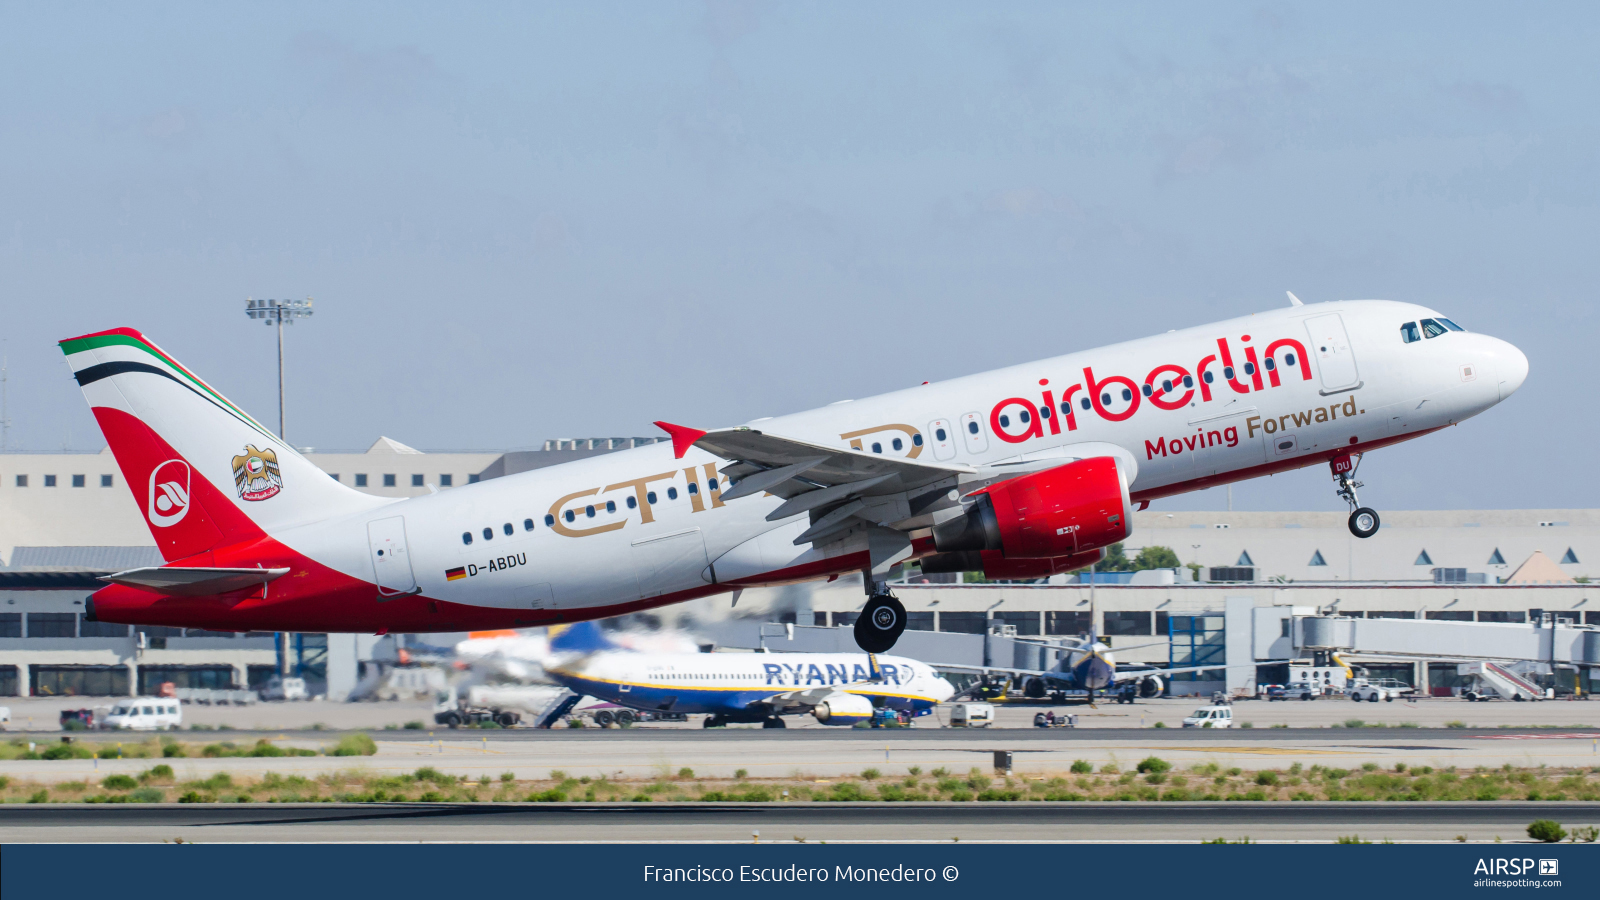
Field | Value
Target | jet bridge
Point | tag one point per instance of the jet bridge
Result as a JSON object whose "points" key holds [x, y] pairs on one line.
{"points": [[1546, 643]]}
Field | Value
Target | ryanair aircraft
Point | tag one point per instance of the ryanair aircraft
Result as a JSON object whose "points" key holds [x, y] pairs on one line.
{"points": [[835, 688]]}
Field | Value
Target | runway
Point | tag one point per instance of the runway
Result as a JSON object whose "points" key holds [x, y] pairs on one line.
{"points": [[782, 823]]}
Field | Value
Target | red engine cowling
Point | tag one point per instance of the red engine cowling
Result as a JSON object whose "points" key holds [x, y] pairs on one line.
{"points": [[994, 564], [1061, 512]]}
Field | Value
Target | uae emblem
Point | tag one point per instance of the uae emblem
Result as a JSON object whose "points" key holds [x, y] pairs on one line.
{"points": [[255, 473]]}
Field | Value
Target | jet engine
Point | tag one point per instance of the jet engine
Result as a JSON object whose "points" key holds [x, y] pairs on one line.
{"points": [[842, 709], [1150, 687], [994, 564], [1072, 509]]}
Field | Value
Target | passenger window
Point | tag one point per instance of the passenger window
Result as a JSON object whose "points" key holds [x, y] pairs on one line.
{"points": [[632, 503], [972, 427], [611, 506], [1288, 358], [1269, 364], [650, 498], [508, 529], [549, 520], [1086, 403], [1249, 368], [1105, 399], [672, 493], [1442, 320], [1044, 412], [1025, 417], [694, 488], [466, 537], [1127, 394], [1005, 421], [1227, 372], [1166, 386], [569, 515], [876, 448], [897, 444], [1188, 381], [1209, 378], [916, 439], [1145, 389], [527, 524], [488, 534], [1432, 329], [589, 511], [1409, 333]]}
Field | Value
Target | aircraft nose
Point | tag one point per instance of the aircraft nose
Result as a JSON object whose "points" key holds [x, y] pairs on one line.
{"points": [[1512, 366]]}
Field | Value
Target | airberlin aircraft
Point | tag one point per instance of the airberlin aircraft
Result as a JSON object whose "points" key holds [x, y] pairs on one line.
{"points": [[1021, 472]]}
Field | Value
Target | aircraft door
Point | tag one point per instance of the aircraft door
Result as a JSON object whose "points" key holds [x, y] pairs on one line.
{"points": [[391, 563], [670, 562], [943, 439], [1336, 361], [972, 433]]}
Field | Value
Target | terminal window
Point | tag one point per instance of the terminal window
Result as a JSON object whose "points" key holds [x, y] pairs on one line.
{"points": [[10, 625], [416, 481], [959, 622], [445, 480], [41, 625], [361, 479], [49, 481], [1066, 622], [388, 480], [101, 629], [1127, 622], [1024, 622], [22, 481], [105, 481], [80, 480]]}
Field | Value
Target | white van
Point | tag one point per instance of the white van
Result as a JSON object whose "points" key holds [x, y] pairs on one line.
{"points": [[145, 714], [1210, 717], [972, 715]]}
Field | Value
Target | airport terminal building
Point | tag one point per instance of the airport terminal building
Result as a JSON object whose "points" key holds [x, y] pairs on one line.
{"points": [[65, 518]]}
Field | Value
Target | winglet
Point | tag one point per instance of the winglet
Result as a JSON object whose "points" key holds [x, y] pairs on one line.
{"points": [[683, 437]]}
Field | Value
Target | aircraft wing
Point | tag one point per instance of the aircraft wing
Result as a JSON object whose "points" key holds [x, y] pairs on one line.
{"points": [[805, 474], [1120, 675]]}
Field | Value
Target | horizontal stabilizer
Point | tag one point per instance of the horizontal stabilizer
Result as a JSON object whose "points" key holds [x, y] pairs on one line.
{"points": [[186, 581]]}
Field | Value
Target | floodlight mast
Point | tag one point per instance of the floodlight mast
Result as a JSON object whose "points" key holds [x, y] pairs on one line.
{"points": [[280, 313]]}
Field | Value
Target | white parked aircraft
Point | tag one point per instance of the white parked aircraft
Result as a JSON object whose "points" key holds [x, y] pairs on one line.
{"points": [[835, 688], [1023, 472]]}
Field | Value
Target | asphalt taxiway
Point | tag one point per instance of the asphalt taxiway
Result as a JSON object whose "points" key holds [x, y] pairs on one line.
{"points": [[782, 822]]}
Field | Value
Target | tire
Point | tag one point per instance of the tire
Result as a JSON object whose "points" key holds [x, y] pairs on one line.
{"points": [[604, 718], [1374, 698], [626, 717], [773, 722], [713, 722], [880, 624], [1364, 522], [452, 720], [1356, 698], [1305, 696]]}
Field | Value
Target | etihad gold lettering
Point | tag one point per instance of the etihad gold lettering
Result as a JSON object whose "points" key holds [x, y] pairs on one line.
{"points": [[560, 527], [641, 494], [715, 492], [854, 437], [694, 492]]}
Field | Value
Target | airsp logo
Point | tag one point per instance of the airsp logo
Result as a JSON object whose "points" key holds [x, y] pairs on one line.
{"points": [[169, 493]]}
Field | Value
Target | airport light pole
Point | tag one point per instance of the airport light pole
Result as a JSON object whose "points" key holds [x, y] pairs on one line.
{"points": [[280, 313]]}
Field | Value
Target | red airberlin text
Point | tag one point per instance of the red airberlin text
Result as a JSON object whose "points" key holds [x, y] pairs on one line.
{"points": [[1116, 398]]}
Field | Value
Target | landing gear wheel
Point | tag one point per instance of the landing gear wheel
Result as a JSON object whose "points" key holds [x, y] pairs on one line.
{"points": [[713, 722], [773, 722], [880, 623], [1364, 522]]}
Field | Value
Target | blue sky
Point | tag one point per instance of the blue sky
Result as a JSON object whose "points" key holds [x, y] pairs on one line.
{"points": [[531, 221]]}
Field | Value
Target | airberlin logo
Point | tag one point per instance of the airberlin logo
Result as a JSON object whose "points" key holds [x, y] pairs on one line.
{"points": [[169, 493]]}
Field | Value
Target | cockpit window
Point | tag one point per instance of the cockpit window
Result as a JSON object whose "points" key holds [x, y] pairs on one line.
{"points": [[1449, 324], [1409, 333], [1432, 329]]}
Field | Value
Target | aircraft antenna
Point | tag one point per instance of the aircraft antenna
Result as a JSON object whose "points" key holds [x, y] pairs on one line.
{"points": [[1293, 300]]}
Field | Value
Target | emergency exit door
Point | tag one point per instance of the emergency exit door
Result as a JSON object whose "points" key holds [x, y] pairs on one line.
{"points": [[391, 563], [1335, 360]]}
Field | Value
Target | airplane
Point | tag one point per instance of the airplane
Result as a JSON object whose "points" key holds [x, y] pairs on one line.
{"points": [[835, 688], [1022, 472]]}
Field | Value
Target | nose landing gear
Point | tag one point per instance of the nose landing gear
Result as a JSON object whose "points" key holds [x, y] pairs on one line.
{"points": [[1364, 520], [881, 620]]}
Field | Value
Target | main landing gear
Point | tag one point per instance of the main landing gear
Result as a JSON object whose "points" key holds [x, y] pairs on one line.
{"points": [[1363, 519], [881, 620]]}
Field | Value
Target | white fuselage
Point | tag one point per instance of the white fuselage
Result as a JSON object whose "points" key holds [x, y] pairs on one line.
{"points": [[647, 528]]}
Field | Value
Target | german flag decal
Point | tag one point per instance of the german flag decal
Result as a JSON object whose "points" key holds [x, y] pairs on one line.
{"points": [[455, 574]]}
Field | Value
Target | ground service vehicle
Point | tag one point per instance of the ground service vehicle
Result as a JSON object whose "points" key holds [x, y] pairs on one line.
{"points": [[145, 714], [972, 715], [1385, 689], [1210, 717]]}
